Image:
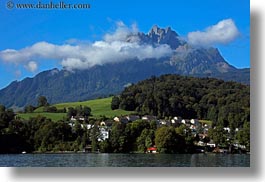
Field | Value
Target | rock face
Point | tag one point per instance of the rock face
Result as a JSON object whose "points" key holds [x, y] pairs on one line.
{"points": [[101, 80], [158, 36], [165, 36]]}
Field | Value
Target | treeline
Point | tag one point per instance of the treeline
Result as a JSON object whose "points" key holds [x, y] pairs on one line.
{"points": [[40, 134], [225, 103], [43, 135], [139, 135]]}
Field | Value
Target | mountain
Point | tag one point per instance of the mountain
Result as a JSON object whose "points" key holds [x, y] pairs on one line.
{"points": [[158, 36], [111, 78]]}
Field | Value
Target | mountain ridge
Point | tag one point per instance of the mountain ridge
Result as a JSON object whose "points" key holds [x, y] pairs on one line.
{"points": [[111, 78]]}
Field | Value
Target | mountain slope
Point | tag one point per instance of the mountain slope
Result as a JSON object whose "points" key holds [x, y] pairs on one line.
{"points": [[101, 80]]}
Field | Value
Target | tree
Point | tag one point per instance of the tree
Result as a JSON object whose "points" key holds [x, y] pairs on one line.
{"points": [[145, 140], [168, 141], [218, 135], [29, 109], [243, 136], [181, 130], [94, 138], [105, 146], [87, 111], [115, 103], [6, 116], [118, 137], [51, 109], [71, 112], [42, 101]]}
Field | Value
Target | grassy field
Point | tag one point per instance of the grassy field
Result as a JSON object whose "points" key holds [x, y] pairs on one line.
{"points": [[52, 116], [99, 107]]}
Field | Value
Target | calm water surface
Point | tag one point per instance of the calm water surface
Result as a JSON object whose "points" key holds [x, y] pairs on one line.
{"points": [[125, 160]]}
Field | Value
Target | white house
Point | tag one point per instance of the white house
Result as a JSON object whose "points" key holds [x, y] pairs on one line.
{"points": [[102, 123], [121, 119], [194, 122], [176, 120], [148, 118], [72, 118], [163, 122], [211, 144], [183, 121], [227, 129], [104, 134]]}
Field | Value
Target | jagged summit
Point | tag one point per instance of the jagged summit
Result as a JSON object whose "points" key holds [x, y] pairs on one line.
{"points": [[165, 36], [156, 30], [158, 35]]}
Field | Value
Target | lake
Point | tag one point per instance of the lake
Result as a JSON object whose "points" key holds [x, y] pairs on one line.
{"points": [[125, 160]]}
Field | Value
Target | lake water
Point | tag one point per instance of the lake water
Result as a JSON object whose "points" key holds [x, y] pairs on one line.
{"points": [[125, 160]]}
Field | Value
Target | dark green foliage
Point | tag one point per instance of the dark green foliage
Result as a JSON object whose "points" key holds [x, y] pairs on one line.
{"points": [[29, 109], [86, 111], [145, 140], [42, 101], [105, 146], [6, 116], [51, 109], [118, 138], [243, 136], [79, 111], [94, 138], [168, 141], [219, 136], [115, 103], [13, 137], [222, 102], [71, 112]]}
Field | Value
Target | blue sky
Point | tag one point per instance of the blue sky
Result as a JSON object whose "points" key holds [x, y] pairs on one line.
{"points": [[23, 28]]}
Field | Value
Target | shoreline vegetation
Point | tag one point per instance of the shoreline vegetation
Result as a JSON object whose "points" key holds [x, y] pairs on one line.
{"points": [[166, 114]]}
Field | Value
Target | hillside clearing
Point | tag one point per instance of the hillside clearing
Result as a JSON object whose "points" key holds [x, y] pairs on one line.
{"points": [[99, 107]]}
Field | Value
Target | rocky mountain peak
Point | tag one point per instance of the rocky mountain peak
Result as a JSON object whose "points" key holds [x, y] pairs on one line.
{"points": [[165, 36], [161, 32]]}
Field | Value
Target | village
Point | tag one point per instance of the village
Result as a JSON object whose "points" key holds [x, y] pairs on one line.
{"points": [[199, 129]]}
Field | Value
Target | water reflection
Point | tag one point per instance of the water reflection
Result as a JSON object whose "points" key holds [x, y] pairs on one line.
{"points": [[126, 160]]}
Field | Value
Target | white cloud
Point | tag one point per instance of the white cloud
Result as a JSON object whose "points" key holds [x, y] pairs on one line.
{"points": [[113, 48], [32, 66], [121, 33], [223, 32]]}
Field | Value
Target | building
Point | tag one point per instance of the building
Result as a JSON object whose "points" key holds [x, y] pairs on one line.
{"points": [[194, 122], [104, 134], [121, 119], [152, 150], [149, 118]]}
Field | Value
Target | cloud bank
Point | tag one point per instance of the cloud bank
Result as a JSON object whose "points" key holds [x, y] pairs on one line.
{"points": [[113, 48], [223, 32]]}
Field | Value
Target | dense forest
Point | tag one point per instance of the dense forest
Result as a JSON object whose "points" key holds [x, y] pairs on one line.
{"points": [[225, 103]]}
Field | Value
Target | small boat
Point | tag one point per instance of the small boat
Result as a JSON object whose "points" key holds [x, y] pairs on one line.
{"points": [[24, 152]]}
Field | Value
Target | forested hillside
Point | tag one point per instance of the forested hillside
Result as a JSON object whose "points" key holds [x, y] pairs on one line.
{"points": [[225, 103]]}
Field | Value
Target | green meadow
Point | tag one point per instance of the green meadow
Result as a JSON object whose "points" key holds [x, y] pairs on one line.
{"points": [[99, 107]]}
